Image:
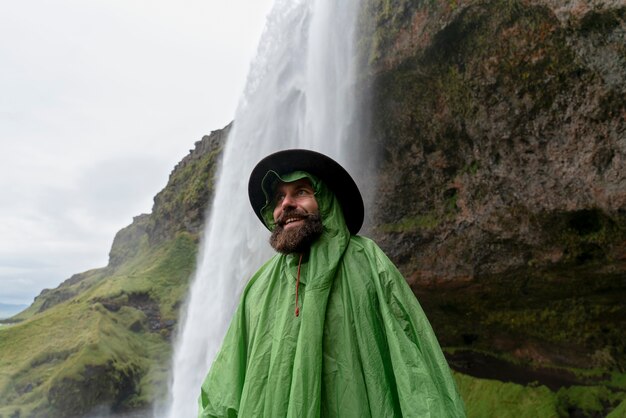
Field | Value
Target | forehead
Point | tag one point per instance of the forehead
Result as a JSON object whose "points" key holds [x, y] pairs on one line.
{"points": [[284, 186]]}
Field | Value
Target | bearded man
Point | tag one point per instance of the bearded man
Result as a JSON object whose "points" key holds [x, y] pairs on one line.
{"points": [[328, 327]]}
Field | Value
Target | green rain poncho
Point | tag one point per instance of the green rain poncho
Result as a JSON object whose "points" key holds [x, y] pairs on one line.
{"points": [[360, 347]]}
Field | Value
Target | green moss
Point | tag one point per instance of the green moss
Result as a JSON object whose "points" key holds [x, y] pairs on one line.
{"points": [[427, 221], [591, 400], [618, 380], [490, 398], [451, 197], [619, 411], [493, 399], [380, 21], [472, 168], [587, 236]]}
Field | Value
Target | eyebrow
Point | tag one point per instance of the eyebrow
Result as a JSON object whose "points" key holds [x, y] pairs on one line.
{"points": [[299, 186]]}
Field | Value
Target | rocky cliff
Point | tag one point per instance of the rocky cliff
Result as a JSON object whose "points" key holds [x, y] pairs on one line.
{"points": [[500, 128]]}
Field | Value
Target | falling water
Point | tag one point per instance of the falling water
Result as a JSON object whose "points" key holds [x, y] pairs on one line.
{"points": [[299, 94]]}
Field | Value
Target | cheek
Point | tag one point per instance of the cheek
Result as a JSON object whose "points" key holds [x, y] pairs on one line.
{"points": [[311, 206], [276, 212]]}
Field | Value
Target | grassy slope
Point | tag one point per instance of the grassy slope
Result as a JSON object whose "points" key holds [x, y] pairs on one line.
{"points": [[101, 339], [489, 398], [486, 398]]}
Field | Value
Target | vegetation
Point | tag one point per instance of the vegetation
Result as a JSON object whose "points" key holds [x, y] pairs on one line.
{"points": [[494, 399], [104, 337], [108, 344]]}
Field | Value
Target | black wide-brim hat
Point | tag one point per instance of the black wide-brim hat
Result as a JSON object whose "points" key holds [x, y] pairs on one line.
{"points": [[334, 176]]}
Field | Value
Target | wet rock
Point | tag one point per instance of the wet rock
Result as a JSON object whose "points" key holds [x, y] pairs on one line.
{"points": [[500, 190]]}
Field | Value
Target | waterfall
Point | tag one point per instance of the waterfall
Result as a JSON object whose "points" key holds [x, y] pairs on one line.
{"points": [[299, 94]]}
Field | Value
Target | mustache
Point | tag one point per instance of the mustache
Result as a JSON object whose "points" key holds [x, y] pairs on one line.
{"points": [[293, 213]]}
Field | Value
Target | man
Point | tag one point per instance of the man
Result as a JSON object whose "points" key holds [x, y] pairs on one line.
{"points": [[328, 327]]}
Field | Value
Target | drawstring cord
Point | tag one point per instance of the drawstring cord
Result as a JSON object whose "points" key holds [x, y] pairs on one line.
{"points": [[298, 285]]}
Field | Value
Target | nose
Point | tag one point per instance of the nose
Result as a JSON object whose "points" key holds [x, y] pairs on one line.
{"points": [[288, 202]]}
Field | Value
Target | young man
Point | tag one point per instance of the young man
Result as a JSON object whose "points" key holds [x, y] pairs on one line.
{"points": [[328, 327]]}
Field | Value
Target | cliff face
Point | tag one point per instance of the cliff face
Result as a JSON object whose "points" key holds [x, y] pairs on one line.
{"points": [[501, 132], [181, 206]]}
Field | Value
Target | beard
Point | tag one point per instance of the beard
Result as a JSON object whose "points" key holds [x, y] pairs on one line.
{"points": [[299, 239]]}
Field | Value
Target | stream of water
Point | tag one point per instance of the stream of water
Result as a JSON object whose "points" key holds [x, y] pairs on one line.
{"points": [[299, 94]]}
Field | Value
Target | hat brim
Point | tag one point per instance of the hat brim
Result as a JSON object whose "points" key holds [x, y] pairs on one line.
{"points": [[325, 168]]}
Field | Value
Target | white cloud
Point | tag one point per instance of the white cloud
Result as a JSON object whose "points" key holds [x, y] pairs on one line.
{"points": [[100, 100]]}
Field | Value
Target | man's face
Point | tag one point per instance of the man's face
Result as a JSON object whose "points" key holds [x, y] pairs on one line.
{"points": [[296, 217]]}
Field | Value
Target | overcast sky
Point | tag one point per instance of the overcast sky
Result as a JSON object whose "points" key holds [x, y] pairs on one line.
{"points": [[99, 100]]}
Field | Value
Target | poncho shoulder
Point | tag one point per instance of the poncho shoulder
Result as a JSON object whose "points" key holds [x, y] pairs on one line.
{"points": [[361, 346]]}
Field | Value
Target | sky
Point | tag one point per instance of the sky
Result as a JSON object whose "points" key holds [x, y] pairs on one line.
{"points": [[99, 101]]}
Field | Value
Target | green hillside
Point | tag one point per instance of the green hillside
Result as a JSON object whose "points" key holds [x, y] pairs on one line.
{"points": [[108, 344], [104, 337]]}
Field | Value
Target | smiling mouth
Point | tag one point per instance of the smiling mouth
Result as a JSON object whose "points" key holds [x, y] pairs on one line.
{"points": [[292, 217], [291, 220]]}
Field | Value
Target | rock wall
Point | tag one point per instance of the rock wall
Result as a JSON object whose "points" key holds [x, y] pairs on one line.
{"points": [[182, 204], [501, 133]]}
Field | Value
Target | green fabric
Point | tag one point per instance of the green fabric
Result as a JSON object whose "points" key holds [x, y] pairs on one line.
{"points": [[361, 346]]}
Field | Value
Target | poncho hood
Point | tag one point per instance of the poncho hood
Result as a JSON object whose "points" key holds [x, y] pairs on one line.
{"points": [[327, 250]]}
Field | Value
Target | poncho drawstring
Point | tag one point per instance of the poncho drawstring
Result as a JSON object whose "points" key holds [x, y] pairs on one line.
{"points": [[298, 285]]}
